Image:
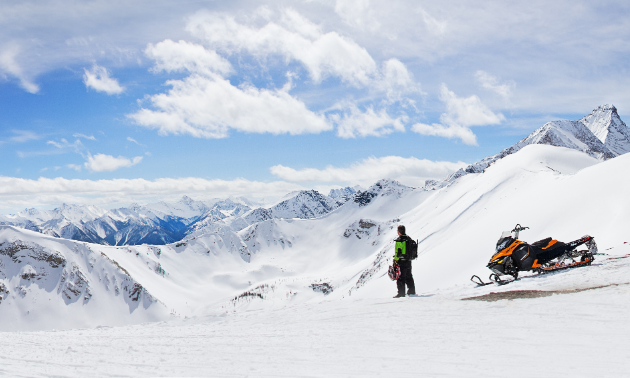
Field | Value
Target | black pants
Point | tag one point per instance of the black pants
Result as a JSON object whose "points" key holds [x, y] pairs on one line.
{"points": [[406, 278]]}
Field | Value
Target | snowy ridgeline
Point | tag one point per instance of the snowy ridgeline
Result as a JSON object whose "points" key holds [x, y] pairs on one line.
{"points": [[162, 223], [601, 134]]}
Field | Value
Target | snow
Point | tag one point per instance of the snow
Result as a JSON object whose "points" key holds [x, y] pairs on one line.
{"points": [[249, 302], [581, 334]]}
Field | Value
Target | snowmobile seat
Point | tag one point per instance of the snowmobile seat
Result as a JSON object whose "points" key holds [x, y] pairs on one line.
{"points": [[547, 249], [541, 243]]}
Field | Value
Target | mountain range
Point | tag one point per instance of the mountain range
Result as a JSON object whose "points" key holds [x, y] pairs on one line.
{"points": [[601, 134]]}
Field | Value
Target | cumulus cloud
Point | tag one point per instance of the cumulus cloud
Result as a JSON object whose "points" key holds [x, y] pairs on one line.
{"points": [[17, 193], [396, 80], [353, 122], [208, 106], [461, 113], [98, 79], [179, 56], [9, 64], [108, 163], [466, 111], [493, 84], [453, 131], [411, 170], [322, 54]]}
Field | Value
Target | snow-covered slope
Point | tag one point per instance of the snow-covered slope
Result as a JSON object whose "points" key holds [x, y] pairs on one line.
{"points": [[48, 281]]}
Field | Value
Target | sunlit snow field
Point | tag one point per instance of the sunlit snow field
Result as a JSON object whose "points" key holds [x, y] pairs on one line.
{"points": [[581, 334]]}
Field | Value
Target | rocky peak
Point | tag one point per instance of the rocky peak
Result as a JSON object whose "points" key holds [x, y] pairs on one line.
{"points": [[601, 134], [605, 123]]}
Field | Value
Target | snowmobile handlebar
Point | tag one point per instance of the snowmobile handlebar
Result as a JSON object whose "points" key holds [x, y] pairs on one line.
{"points": [[519, 228]]}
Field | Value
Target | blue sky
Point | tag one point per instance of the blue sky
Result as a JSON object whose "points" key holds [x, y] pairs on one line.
{"points": [[112, 102]]}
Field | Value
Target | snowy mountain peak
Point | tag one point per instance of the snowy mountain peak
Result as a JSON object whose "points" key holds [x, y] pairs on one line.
{"points": [[605, 124], [186, 200], [569, 134], [601, 134], [383, 187], [343, 192]]}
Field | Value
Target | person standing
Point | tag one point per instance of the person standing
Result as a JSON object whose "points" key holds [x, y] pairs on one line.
{"points": [[401, 258]]}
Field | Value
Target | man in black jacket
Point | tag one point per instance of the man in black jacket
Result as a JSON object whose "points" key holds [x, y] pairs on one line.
{"points": [[401, 259]]}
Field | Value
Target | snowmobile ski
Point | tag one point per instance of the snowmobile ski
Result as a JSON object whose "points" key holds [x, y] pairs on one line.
{"points": [[479, 281]]}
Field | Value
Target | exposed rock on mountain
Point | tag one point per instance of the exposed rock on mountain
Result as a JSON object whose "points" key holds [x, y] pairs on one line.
{"points": [[385, 187], [35, 267]]}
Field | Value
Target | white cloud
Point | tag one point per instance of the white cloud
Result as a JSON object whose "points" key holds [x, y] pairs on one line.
{"points": [[98, 78], [9, 65], [357, 13], [453, 131], [136, 142], [396, 80], [18, 193], [353, 122], [77, 146], [208, 106], [493, 84], [411, 170], [108, 163], [178, 56], [76, 167], [78, 135], [461, 113], [323, 55], [466, 111]]}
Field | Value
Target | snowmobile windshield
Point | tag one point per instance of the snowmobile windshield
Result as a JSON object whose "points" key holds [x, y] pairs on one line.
{"points": [[504, 240]]}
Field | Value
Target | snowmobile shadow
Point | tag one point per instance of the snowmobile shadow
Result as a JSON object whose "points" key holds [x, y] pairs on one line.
{"points": [[528, 294]]}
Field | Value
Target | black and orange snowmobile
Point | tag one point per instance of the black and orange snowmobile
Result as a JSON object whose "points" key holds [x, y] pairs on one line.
{"points": [[547, 255]]}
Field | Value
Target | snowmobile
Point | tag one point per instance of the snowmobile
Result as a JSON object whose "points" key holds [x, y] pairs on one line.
{"points": [[547, 255]]}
